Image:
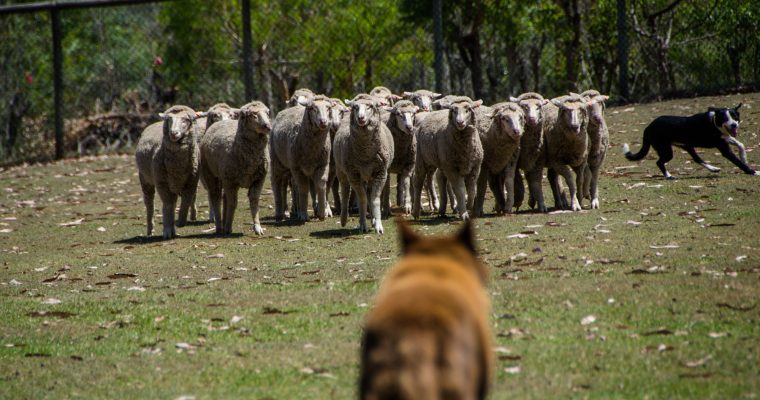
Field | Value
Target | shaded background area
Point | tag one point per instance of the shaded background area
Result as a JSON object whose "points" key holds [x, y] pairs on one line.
{"points": [[122, 64]]}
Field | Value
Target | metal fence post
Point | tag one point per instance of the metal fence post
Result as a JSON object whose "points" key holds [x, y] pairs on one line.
{"points": [[55, 18], [247, 56], [438, 44]]}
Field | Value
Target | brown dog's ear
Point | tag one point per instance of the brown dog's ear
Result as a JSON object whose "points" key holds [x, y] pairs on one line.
{"points": [[408, 236], [466, 236]]}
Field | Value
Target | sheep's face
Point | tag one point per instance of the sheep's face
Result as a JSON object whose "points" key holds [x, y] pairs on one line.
{"points": [[422, 99], [405, 117], [319, 113], [219, 114], [337, 110], [574, 115], [255, 118], [511, 121], [363, 111], [596, 109], [385, 94], [178, 125], [462, 114], [532, 109]]}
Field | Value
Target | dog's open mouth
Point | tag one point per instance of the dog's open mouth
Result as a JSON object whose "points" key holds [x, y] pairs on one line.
{"points": [[733, 131]]}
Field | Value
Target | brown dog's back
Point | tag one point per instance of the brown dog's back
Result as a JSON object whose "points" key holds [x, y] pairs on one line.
{"points": [[428, 335]]}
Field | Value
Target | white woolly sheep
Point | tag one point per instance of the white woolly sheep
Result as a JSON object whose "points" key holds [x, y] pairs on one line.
{"points": [[167, 162], [234, 155], [385, 94], [449, 140], [300, 96], [501, 127], [401, 125], [362, 157], [599, 140], [300, 147], [567, 143], [422, 98], [532, 150]]}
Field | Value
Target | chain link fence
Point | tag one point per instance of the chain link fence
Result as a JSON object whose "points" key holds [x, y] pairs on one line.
{"points": [[123, 64]]}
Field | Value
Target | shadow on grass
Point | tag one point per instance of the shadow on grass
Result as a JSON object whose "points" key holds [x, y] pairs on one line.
{"points": [[158, 238]]}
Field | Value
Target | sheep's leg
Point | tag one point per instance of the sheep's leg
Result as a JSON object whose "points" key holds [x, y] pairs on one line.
{"points": [[433, 200], [293, 197], [360, 188], [254, 195], [470, 184], [460, 191], [335, 186], [399, 196], [570, 180], [519, 187], [230, 204], [579, 182], [442, 182], [279, 190], [508, 179], [301, 186], [453, 197], [587, 181], [149, 193], [480, 196], [185, 203], [419, 179], [321, 208], [405, 175], [385, 199], [496, 183], [560, 202], [378, 183], [193, 210], [534, 178], [214, 188], [169, 201], [593, 186], [345, 189]]}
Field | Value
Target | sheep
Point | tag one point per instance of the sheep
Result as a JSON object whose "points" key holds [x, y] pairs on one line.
{"points": [[401, 125], [532, 149], [599, 140], [300, 148], [422, 98], [234, 155], [385, 94], [300, 96], [167, 162], [337, 112], [449, 140], [217, 112], [362, 157], [501, 127], [566, 120]]}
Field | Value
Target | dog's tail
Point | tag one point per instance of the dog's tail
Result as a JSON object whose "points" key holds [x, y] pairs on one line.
{"points": [[641, 154]]}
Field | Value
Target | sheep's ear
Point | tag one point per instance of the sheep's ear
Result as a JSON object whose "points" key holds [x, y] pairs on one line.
{"points": [[408, 94], [200, 114], [477, 103], [574, 94], [395, 97], [348, 102], [514, 99], [416, 109], [436, 95], [303, 100], [443, 104], [343, 108], [163, 116], [387, 108], [604, 97], [408, 236], [544, 102], [557, 102]]}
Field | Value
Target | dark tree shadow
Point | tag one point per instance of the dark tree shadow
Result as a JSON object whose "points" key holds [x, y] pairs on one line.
{"points": [[140, 239]]}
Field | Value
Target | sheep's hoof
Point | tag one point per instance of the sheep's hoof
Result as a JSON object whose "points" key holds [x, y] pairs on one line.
{"points": [[258, 229], [328, 214], [595, 204], [379, 228], [465, 216], [407, 209]]}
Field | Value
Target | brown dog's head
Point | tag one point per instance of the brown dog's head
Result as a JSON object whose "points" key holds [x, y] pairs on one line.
{"points": [[460, 247]]}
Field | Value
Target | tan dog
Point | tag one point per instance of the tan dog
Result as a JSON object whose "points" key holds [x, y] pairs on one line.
{"points": [[428, 336]]}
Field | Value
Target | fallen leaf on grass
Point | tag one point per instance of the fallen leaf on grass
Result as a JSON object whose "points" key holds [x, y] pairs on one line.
{"points": [[217, 255], [716, 335], [51, 301], [72, 223], [588, 320], [664, 246], [6, 230], [631, 222], [122, 275], [14, 282], [697, 363], [214, 279], [136, 289], [517, 236], [513, 370], [740, 258], [101, 229]]}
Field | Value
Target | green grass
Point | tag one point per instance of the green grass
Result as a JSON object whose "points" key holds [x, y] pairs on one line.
{"points": [[680, 322]]}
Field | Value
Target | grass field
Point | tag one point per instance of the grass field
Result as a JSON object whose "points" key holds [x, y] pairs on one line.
{"points": [[654, 296]]}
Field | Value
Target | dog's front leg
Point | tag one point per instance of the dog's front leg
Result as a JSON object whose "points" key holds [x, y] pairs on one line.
{"points": [[699, 160], [726, 152]]}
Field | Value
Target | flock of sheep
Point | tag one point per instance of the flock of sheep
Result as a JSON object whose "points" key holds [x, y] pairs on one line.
{"points": [[450, 146]]}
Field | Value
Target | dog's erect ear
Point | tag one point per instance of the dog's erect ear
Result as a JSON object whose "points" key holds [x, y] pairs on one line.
{"points": [[738, 107], [466, 236], [408, 236]]}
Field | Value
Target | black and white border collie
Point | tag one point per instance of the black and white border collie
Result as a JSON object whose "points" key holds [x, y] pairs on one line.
{"points": [[716, 128]]}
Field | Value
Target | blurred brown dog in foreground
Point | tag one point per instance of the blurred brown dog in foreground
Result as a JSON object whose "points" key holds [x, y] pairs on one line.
{"points": [[428, 336]]}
